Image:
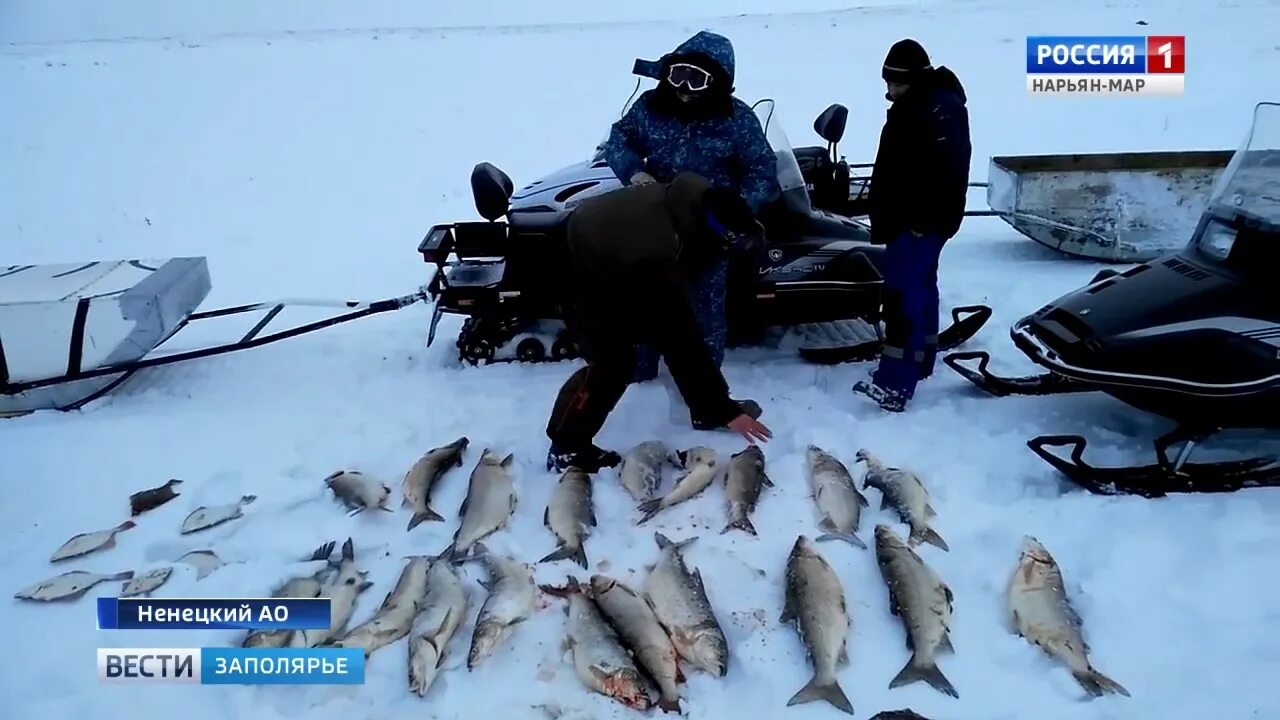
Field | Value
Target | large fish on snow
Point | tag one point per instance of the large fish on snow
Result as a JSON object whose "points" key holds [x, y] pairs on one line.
{"points": [[343, 590], [642, 633], [569, 516], [815, 602], [358, 491], [640, 472], [85, 543], [601, 661], [679, 600], [700, 471], [512, 594], [304, 586], [422, 477], [837, 497], [68, 585], [204, 517], [745, 480], [488, 506], [443, 609], [394, 617], [922, 601], [1041, 612], [903, 490]]}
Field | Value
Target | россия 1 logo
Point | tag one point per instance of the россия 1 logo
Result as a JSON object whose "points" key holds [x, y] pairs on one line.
{"points": [[1106, 65]]}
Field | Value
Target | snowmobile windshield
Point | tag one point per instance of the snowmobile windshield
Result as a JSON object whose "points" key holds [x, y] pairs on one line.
{"points": [[1249, 189], [794, 192]]}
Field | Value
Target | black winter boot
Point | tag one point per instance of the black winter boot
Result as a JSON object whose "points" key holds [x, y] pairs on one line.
{"points": [[589, 460]]}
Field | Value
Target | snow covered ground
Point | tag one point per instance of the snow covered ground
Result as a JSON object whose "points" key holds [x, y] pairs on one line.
{"points": [[304, 151]]}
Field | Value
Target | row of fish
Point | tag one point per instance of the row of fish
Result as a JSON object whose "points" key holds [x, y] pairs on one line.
{"points": [[1037, 604]]}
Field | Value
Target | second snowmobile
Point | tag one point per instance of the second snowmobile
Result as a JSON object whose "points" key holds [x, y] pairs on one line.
{"points": [[816, 278], [1193, 336]]}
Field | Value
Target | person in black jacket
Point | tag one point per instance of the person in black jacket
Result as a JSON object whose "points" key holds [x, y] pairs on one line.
{"points": [[917, 198], [633, 253]]}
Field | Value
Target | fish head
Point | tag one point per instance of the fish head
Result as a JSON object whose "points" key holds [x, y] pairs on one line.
{"points": [[601, 584], [173, 483], [803, 547], [887, 538], [711, 652], [814, 454], [865, 456], [460, 444], [1035, 552], [699, 455], [485, 639], [751, 452]]}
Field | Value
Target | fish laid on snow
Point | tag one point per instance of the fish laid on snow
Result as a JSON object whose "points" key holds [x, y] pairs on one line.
{"points": [[639, 629], [145, 584], [700, 470], [602, 663], [836, 496], [203, 517], [152, 498], [442, 611], [306, 586], [68, 585], [342, 591], [512, 594], [679, 600], [422, 477], [1040, 611], [358, 491], [394, 617], [640, 472], [488, 506], [815, 603], [922, 601], [569, 516], [85, 543], [204, 561], [904, 714], [742, 486], [903, 490]]}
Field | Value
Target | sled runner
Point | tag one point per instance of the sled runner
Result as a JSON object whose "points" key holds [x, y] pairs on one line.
{"points": [[1192, 336], [71, 333]]}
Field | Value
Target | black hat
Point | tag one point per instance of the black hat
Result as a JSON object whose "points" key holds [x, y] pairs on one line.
{"points": [[905, 62]]}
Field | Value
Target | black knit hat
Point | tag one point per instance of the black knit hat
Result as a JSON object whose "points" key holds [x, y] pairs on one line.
{"points": [[905, 62]]}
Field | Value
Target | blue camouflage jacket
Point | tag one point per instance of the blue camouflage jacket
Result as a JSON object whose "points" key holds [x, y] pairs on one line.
{"points": [[725, 144]]}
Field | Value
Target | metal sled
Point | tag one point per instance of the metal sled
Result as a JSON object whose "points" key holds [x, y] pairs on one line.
{"points": [[72, 333], [1113, 207]]}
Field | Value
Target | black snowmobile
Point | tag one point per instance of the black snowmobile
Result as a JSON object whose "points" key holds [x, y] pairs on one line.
{"points": [[1193, 336], [817, 276]]}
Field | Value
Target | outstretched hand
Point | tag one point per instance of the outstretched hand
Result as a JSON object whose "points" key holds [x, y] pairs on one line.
{"points": [[750, 428]]}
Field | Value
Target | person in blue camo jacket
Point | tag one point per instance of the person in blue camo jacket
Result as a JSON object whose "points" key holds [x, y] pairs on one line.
{"points": [[918, 188], [692, 122]]}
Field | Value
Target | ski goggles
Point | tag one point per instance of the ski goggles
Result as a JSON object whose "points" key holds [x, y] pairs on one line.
{"points": [[690, 76]]}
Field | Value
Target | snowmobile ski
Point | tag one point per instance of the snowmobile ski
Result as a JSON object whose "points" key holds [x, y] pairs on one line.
{"points": [[1158, 479], [960, 331], [1042, 384]]}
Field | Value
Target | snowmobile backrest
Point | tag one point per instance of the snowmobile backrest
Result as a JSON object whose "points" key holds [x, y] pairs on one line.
{"points": [[830, 124], [491, 189]]}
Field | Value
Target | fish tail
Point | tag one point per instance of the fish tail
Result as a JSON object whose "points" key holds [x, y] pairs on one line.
{"points": [[421, 517], [1098, 684], [818, 690], [567, 552], [743, 523], [126, 575], [847, 537], [650, 508], [325, 551], [930, 673], [932, 537]]}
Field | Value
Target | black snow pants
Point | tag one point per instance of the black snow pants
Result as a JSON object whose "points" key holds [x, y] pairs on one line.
{"points": [[651, 305]]}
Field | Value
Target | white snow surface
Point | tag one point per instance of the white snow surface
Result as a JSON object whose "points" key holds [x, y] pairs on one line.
{"points": [[304, 148]]}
